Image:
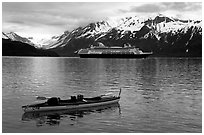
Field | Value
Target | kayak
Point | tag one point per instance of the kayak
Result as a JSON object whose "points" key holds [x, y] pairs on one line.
{"points": [[52, 116], [76, 102]]}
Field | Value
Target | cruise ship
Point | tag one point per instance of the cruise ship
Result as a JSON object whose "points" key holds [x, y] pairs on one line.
{"points": [[102, 51]]}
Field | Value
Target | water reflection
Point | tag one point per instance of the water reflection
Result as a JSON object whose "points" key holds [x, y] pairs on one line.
{"points": [[53, 118]]}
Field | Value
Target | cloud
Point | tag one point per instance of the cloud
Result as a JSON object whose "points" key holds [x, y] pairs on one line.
{"points": [[148, 8], [51, 17], [165, 6], [54, 13], [56, 17], [182, 6]]}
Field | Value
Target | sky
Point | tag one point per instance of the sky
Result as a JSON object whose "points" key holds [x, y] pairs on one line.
{"points": [[46, 19]]}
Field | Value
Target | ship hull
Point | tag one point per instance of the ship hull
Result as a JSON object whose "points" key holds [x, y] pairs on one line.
{"points": [[115, 55]]}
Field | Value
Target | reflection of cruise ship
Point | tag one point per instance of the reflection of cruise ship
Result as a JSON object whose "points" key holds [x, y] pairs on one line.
{"points": [[102, 51]]}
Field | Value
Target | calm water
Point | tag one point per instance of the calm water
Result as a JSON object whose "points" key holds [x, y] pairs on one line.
{"points": [[158, 94]]}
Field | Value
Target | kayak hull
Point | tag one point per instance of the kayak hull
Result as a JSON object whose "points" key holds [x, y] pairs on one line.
{"points": [[48, 115], [71, 107]]}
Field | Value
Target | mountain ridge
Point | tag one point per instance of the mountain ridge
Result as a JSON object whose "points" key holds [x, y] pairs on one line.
{"points": [[150, 34], [15, 37], [165, 36]]}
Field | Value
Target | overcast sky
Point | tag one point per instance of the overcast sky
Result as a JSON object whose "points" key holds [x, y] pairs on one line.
{"points": [[42, 19]]}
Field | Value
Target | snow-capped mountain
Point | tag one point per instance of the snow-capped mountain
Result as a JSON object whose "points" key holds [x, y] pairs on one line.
{"points": [[147, 32], [161, 34], [15, 37]]}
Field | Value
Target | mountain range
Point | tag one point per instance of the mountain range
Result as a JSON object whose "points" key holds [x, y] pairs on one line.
{"points": [[165, 36]]}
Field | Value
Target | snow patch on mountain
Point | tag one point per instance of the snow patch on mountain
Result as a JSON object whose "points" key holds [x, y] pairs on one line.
{"points": [[42, 42]]}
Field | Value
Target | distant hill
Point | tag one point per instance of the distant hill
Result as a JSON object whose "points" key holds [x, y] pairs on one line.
{"points": [[17, 48]]}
